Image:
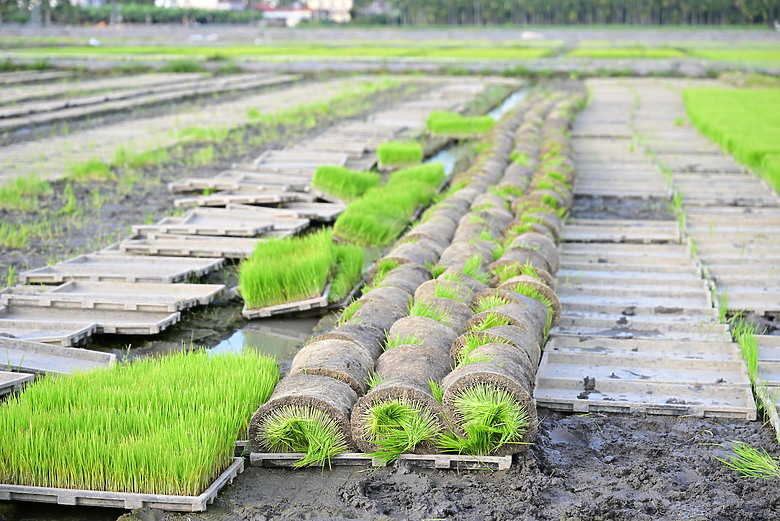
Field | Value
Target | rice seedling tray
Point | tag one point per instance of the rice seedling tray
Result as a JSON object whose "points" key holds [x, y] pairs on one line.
{"points": [[198, 246], [36, 357], [281, 173], [244, 196], [114, 296], [300, 158], [60, 333], [124, 500], [112, 322], [437, 461], [598, 230], [210, 221], [324, 212], [239, 180], [13, 382], [318, 302], [110, 265]]}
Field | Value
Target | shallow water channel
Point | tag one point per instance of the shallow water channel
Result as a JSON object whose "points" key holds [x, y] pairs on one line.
{"points": [[278, 337]]}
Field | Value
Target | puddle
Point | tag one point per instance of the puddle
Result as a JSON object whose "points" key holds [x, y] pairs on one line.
{"points": [[277, 337], [509, 103], [447, 157]]}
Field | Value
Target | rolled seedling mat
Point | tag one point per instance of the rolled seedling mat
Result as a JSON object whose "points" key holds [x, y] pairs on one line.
{"points": [[459, 313], [405, 372], [516, 336], [520, 256], [395, 296], [496, 218], [541, 287], [518, 314], [503, 374], [517, 227], [472, 231], [407, 277], [467, 194], [542, 273], [377, 313], [549, 219], [370, 338], [419, 252], [535, 307], [520, 181], [457, 254], [333, 398], [490, 200], [428, 289], [438, 228], [503, 354], [560, 197], [540, 244], [340, 359], [456, 275], [449, 212], [426, 331]]}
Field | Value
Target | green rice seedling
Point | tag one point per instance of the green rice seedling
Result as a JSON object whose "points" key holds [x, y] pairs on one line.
{"points": [[558, 176], [344, 183], [142, 427], [491, 418], [506, 191], [535, 294], [398, 340], [399, 154], [451, 276], [398, 426], [429, 174], [436, 390], [297, 428], [723, 306], [449, 292], [499, 249], [14, 235], [751, 462], [421, 309], [437, 270], [453, 124], [520, 229], [473, 358], [349, 312], [476, 218], [519, 158], [485, 235], [349, 270], [204, 134], [490, 320], [550, 201], [91, 170], [472, 342], [286, 270], [150, 158], [473, 268], [373, 380], [505, 273], [22, 193], [383, 268], [745, 335], [71, 205], [489, 302]]}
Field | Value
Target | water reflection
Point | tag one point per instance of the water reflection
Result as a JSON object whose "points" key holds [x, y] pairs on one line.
{"points": [[509, 103], [277, 337]]}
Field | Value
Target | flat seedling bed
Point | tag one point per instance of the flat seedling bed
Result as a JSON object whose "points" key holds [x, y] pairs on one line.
{"points": [[126, 500]]}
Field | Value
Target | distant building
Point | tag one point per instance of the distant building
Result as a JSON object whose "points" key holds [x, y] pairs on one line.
{"points": [[335, 10], [284, 16]]}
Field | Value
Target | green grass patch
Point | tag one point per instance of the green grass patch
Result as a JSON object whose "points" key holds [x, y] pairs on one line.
{"points": [[491, 418], [141, 427], [490, 320], [738, 55], [150, 158], [14, 235], [421, 309], [627, 52], [744, 122], [91, 170], [22, 193], [431, 174], [295, 428], [182, 66], [399, 154], [344, 183], [454, 124]]}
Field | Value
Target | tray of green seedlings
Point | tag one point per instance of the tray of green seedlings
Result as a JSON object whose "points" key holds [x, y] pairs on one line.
{"points": [[398, 154], [298, 274], [452, 124], [135, 435], [340, 184]]}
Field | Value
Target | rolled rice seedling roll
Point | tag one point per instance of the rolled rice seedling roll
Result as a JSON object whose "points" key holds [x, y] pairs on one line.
{"points": [[512, 314], [491, 298], [540, 244], [507, 271], [467, 194], [473, 231], [518, 227], [536, 289], [425, 330], [470, 283], [420, 252], [490, 200], [401, 413], [306, 413], [459, 253], [458, 312], [377, 313], [516, 336], [370, 338], [391, 295], [443, 288], [490, 406], [439, 229], [407, 277], [553, 198], [548, 219], [340, 359], [521, 257]]}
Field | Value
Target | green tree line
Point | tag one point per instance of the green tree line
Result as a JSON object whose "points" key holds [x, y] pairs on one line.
{"points": [[571, 12]]}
